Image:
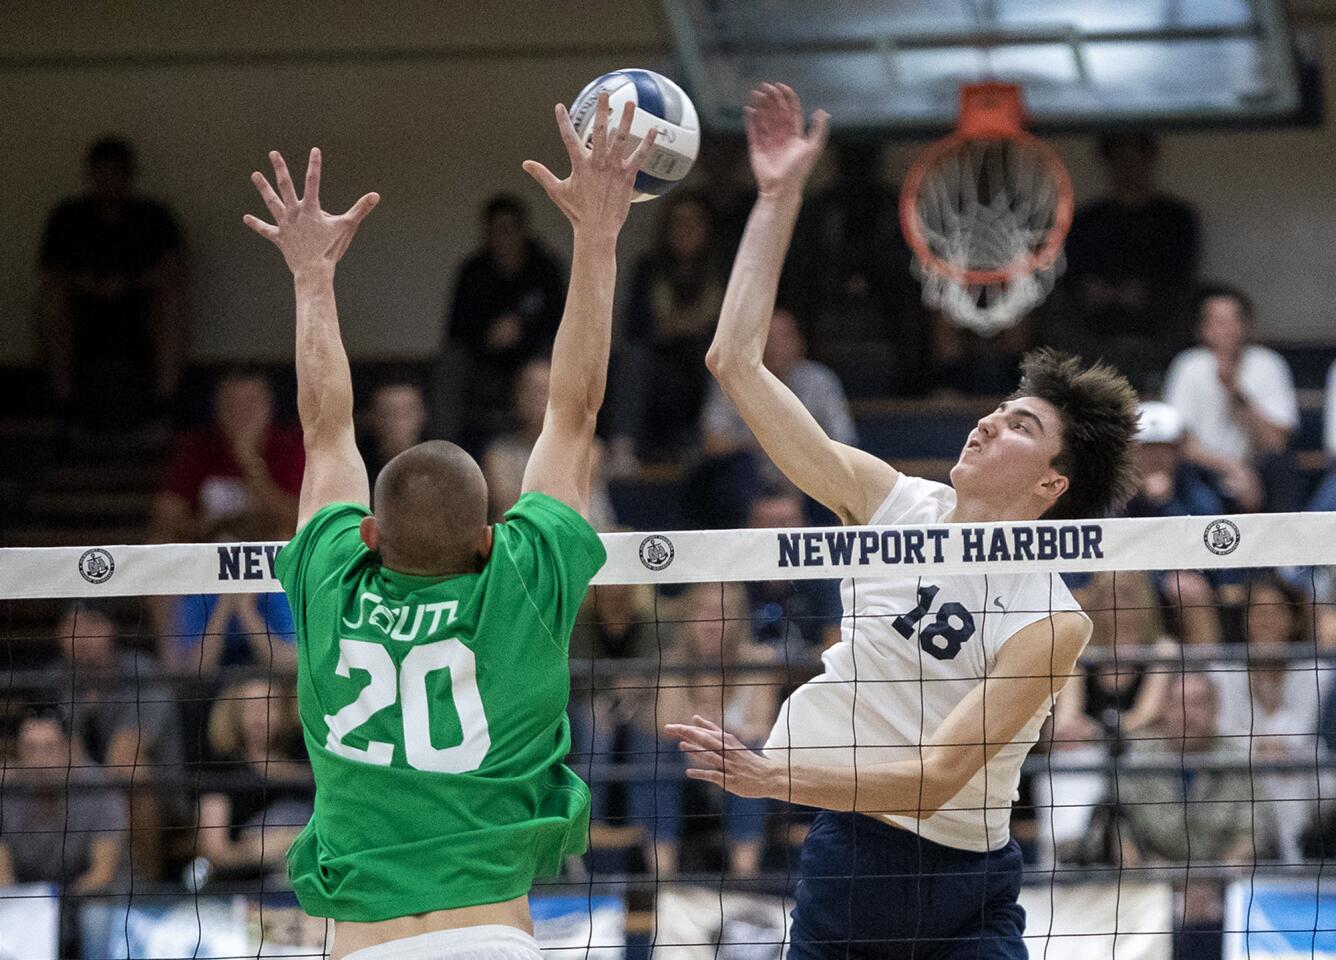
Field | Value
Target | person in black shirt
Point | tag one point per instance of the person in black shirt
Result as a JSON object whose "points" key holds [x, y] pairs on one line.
{"points": [[506, 307], [114, 300], [1131, 260]]}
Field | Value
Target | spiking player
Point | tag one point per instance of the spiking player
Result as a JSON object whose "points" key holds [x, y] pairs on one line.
{"points": [[433, 674], [912, 738]]}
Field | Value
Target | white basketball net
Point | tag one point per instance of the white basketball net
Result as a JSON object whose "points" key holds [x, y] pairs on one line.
{"points": [[988, 205]]}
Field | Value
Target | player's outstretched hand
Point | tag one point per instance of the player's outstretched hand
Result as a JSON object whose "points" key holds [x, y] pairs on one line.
{"points": [[716, 756], [309, 237], [597, 195], [783, 149]]}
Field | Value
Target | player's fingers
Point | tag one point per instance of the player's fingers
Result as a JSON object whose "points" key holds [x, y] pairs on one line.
{"points": [[282, 178], [709, 776], [623, 128], [819, 130], [704, 722], [792, 105], [267, 194], [311, 193], [358, 211], [599, 145], [637, 158], [266, 230], [545, 177], [574, 148]]}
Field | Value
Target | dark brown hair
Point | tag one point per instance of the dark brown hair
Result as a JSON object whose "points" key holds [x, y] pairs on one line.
{"points": [[1098, 410]]}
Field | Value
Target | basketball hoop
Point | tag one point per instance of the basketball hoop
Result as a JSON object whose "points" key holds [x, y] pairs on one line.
{"points": [[986, 210]]}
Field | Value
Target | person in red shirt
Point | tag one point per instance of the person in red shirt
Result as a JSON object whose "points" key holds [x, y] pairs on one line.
{"points": [[242, 463]]}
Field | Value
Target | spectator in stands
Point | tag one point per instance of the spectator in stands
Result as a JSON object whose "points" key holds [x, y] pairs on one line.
{"points": [[676, 291], [1324, 497], [1131, 260], [124, 716], [1192, 813], [114, 302], [708, 645], [1111, 702], [242, 463], [505, 310], [618, 624], [395, 421], [58, 823], [1275, 705], [734, 468], [259, 790], [1170, 486], [795, 618], [1238, 404], [506, 456], [214, 631]]}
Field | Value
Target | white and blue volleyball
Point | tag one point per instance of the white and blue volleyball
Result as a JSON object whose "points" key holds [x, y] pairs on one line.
{"points": [[660, 104]]}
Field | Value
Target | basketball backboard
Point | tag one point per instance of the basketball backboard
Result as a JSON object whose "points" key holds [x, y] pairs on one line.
{"points": [[1081, 63]]}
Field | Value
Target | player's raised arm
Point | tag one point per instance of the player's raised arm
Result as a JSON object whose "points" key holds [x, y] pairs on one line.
{"points": [[596, 198], [312, 241], [848, 481]]}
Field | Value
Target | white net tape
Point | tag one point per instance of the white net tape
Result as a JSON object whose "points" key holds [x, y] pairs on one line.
{"points": [[988, 205], [711, 556]]}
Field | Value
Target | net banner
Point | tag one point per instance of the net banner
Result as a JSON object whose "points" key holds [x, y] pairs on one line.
{"points": [[707, 556]]}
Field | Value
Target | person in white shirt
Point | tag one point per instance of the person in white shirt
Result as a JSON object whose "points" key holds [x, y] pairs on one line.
{"points": [[911, 740], [1238, 404]]}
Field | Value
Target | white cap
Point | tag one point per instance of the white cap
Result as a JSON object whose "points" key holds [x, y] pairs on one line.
{"points": [[1159, 423]]}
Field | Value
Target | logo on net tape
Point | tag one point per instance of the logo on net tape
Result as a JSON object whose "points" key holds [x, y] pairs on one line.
{"points": [[656, 552], [96, 565], [1221, 537]]}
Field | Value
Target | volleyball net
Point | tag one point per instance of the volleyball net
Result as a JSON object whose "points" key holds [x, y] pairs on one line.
{"points": [[1178, 800]]}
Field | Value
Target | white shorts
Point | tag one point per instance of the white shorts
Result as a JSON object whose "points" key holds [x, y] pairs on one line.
{"points": [[486, 942]]}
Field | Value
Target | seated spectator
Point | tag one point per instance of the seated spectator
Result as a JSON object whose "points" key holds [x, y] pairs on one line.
{"points": [[505, 310], [735, 469], [1170, 486], [506, 456], [260, 793], [1274, 705], [795, 618], [1193, 814], [114, 302], [1238, 405], [213, 631], [660, 384], [243, 463], [123, 715], [1207, 815], [60, 820], [395, 421], [1105, 705], [1131, 259], [709, 644]]}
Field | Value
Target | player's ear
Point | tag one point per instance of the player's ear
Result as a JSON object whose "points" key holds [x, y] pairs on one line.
{"points": [[485, 545], [1053, 486], [370, 533]]}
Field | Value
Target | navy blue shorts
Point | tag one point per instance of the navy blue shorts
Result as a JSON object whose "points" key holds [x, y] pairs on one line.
{"points": [[867, 889]]}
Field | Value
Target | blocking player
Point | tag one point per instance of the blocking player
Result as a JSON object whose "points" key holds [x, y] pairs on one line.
{"points": [[911, 740], [433, 674]]}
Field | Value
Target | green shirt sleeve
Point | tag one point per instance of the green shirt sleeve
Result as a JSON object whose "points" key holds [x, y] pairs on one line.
{"points": [[321, 551], [554, 553]]}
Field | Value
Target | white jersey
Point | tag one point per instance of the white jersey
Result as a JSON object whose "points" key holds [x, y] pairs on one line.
{"points": [[910, 649]]}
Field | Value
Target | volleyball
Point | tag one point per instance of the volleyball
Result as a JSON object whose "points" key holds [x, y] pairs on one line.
{"points": [[660, 104]]}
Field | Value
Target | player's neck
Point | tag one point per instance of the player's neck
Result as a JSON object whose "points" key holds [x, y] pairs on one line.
{"points": [[985, 510]]}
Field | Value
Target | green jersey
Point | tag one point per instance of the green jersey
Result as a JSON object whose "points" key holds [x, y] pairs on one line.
{"points": [[434, 712]]}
